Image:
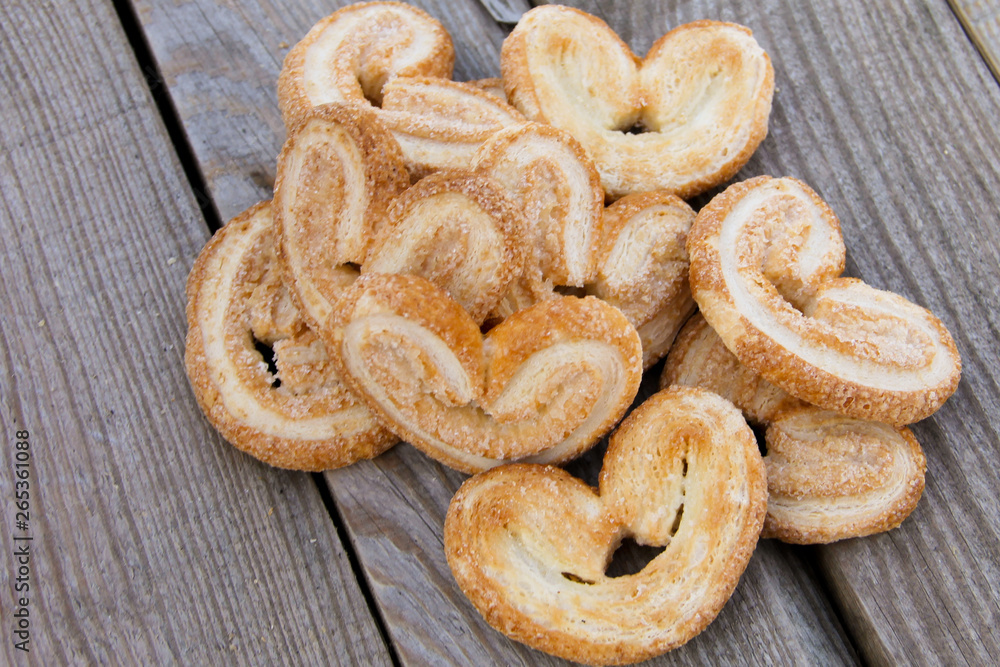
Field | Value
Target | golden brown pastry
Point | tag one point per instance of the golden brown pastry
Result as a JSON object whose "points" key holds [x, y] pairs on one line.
{"points": [[698, 358], [559, 192], [298, 415], [643, 267], [764, 259], [683, 119], [543, 385], [529, 544], [337, 174], [350, 55], [439, 124], [460, 231], [631, 254], [829, 476]]}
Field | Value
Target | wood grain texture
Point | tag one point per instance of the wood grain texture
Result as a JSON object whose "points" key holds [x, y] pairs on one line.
{"points": [[220, 61], [890, 114], [981, 20], [153, 541]]}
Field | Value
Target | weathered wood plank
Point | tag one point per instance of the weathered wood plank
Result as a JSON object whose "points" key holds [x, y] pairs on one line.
{"points": [[981, 20], [394, 507], [888, 111], [153, 541]]}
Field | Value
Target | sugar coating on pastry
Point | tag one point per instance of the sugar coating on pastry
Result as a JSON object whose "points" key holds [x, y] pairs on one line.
{"points": [[685, 118], [556, 186], [544, 385], [337, 173], [298, 415], [459, 230], [698, 358], [439, 123], [529, 545], [830, 477], [349, 56], [643, 266], [631, 254], [764, 259]]}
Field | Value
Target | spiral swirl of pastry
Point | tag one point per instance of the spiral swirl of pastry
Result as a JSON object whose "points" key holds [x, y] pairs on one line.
{"points": [[556, 186], [829, 477], [529, 544], [440, 124], [643, 267], [631, 255], [698, 358], [701, 97], [543, 385], [299, 416], [337, 173], [349, 56], [460, 231], [764, 256]]}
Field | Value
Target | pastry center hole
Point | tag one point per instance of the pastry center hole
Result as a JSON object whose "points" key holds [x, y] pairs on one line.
{"points": [[568, 290], [631, 557], [267, 354]]}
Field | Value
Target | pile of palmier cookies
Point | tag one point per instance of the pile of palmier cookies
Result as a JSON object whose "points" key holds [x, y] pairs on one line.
{"points": [[486, 269]]}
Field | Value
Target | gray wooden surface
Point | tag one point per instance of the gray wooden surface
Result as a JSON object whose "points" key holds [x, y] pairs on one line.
{"points": [[157, 542], [153, 541]]}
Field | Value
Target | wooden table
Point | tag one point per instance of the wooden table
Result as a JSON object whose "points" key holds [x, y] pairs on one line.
{"points": [[131, 129]]}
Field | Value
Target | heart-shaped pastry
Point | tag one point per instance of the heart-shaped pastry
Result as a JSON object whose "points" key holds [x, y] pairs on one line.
{"points": [[829, 476], [683, 119], [341, 208], [544, 384], [529, 544], [395, 61], [764, 259], [337, 173], [631, 254], [350, 55], [298, 414], [460, 231]]}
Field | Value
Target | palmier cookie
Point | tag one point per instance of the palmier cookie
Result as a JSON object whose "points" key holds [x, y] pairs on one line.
{"points": [[297, 416], [543, 385], [529, 544], [684, 119], [460, 231], [440, 124], [337, 173], [396, 61], [631, 254], [764, 259], [829, 476], [350, 55], [341, 209]]}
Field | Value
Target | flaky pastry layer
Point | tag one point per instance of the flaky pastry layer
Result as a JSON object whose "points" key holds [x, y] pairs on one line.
{"points": [[544, 385], [683, 119], [349, 56], [765, 256], [529, 545], [299, 416]]}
